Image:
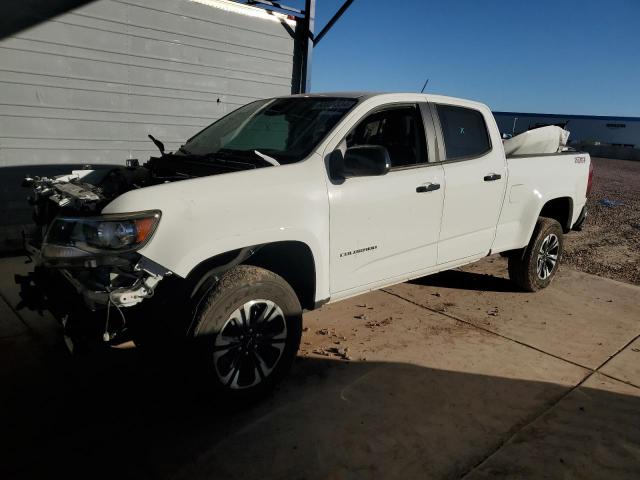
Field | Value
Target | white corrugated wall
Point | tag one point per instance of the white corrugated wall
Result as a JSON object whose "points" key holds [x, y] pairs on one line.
{"points": [[89, 85]]}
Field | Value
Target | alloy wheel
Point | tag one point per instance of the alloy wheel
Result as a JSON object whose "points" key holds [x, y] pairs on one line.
{"points": [[548, 256], [250, 344]]}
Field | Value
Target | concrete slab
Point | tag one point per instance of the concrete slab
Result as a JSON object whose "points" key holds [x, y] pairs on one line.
{"points": [[429, 401], [423, 395], [381, 327], [592, 433], [10, 323], [626, 365], [38, 322], [581, 317]]}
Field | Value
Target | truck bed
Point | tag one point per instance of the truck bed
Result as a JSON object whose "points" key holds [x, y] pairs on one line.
{"points": [[564, 176]]}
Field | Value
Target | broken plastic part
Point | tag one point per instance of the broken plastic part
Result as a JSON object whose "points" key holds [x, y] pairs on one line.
{"points": [[549, 139]]}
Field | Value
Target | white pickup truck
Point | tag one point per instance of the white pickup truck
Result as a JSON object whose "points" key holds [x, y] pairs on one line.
{"points": [[288, 203]]}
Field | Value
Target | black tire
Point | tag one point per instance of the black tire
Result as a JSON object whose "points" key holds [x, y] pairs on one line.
{"points": [[262, 354], [524, 265]]}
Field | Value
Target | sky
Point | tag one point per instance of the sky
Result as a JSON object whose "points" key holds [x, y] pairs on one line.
{"points": [[570, 57]]}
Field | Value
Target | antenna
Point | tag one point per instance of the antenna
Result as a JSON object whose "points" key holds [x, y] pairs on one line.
{"points": [[424, 86]]}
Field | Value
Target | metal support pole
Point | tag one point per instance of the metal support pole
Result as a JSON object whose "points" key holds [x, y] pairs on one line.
{"points": [[306, 47], [331, 22]]}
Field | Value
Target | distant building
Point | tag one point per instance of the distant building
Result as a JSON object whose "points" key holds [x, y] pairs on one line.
{"points": [[617, 137]]}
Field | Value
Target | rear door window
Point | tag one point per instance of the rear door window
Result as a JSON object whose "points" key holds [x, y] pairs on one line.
{"points": [[464, 131]]}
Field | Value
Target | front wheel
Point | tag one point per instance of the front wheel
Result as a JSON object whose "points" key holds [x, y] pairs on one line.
{"points": [[247, 330], [534, 267]]}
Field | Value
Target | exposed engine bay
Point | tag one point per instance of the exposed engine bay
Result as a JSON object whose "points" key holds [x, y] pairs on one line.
{"points": [[97, 254], [87, 191]]}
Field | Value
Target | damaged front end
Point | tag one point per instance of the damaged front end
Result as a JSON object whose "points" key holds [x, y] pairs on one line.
{"points": [[96, 254]]}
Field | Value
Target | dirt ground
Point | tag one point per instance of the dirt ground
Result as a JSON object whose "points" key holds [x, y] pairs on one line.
{"points": [[609, 245]]}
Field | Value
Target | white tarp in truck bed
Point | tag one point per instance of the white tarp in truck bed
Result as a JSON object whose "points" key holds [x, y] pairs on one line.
{"points": [[550, 139]]}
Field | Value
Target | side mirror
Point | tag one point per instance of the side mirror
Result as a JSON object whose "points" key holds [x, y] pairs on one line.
{"points": [[363, 161]]}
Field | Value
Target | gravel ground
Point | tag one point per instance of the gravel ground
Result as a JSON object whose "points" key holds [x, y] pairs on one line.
{"points": [[609, 245]]}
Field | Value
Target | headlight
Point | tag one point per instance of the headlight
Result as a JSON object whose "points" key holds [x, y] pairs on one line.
{"points": [[72, 237]]}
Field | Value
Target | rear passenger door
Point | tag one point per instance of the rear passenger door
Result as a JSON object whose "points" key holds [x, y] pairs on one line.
{"points": [[475, 175]]}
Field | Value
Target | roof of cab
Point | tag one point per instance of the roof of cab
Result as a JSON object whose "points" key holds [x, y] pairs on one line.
{"points": [[398, 95], [335, 94]]}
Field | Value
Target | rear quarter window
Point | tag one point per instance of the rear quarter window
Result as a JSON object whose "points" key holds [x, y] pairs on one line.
{"points": [[464, 131]]}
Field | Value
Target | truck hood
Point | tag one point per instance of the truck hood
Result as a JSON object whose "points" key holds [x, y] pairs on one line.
{"points": [[202, 217], [87, 192]]}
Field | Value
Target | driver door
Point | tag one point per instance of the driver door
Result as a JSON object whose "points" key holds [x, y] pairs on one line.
{"points": [[386, 227]]}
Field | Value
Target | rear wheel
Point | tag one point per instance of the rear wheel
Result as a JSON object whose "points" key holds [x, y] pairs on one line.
{"points": [[534, 267], [248, 331]]}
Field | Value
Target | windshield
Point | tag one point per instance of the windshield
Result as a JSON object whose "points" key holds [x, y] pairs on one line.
{"points": [[286, 129]]}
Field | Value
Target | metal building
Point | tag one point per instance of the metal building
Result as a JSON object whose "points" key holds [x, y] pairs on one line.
{"points": [[615, 137], [89, 85], [84, 82]]}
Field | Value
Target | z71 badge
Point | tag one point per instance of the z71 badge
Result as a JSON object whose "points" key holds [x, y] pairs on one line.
{"points": [[581, 159]]}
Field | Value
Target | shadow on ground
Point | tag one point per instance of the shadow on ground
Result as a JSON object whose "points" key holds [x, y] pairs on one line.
{"points": [[465, 280], [128, 415]]}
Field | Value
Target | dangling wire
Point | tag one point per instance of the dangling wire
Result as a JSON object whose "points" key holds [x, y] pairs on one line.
{"points": [[106, 336], [124, 320]]}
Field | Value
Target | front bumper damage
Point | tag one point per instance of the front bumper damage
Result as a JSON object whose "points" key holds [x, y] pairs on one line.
{"points": [[102, 296], [88, 269], [106, 287], [121, 297]]}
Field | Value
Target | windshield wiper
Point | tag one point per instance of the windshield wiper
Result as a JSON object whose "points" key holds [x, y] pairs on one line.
{"points": [[246, 158], [267, 158], [247, 155]]}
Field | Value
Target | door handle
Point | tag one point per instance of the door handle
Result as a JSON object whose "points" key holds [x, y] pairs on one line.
{"points": [[427, 188], [492, 177]]}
